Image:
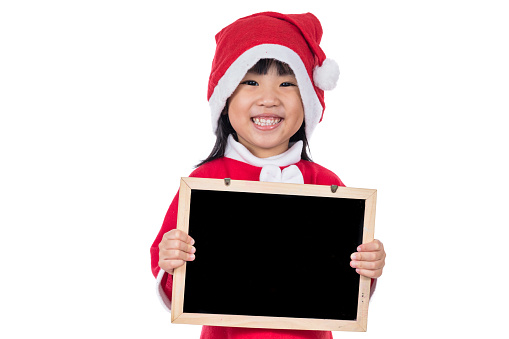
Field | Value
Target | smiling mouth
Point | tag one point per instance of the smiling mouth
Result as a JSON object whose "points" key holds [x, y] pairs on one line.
{"points": [[266, 121]]}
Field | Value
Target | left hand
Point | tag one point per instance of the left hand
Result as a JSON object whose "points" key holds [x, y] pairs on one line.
{"points": [[369, 260]]}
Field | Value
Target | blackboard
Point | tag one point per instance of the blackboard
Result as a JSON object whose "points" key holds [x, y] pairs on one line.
{"points": [[285, 253]]}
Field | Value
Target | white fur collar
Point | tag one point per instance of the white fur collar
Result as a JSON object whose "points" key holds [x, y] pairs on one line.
{"points": [[271, 171]]}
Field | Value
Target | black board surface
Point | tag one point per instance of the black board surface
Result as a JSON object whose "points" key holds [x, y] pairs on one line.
{"points": [[273, 255]]}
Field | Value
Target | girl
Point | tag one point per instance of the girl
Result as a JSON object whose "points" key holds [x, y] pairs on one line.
{"points": [[266, 97]]}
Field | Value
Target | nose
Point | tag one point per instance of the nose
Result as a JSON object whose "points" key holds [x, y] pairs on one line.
{"points": [[268, 98]]}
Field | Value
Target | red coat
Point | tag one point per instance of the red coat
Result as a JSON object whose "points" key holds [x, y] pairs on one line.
{"points": [[228, 168]]}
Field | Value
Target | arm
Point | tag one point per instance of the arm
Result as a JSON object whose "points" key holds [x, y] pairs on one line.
{"points": [[170, 250]]}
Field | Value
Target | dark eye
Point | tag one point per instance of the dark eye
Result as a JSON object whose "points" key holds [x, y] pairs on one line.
{"points": [[287, 84], [250, 83]]}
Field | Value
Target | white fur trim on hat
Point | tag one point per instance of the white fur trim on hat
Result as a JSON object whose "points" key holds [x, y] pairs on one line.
{"points": [[228, 83], [326, 76]]}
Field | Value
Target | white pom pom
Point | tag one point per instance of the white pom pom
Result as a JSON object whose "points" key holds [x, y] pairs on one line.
{"points": [[326, 76]]}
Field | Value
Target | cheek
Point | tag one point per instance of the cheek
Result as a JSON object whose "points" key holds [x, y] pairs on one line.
{"points": [[238, 111], [298, 124], [234, 122], [296, 106], [298, 110], [234, 114]]}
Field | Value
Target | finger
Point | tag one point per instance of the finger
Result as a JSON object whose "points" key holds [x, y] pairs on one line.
{"points": [[175, 254], [368, 265], [170, 265], [178, 235], [176, 244], [367, 256], [369, 273], [375, 245]]}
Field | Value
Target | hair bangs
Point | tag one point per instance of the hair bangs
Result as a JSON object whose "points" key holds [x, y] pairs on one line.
{"points": [[263, 67]]}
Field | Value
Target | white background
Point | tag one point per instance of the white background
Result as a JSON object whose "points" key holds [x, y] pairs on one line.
{"points": [[103, 107]]}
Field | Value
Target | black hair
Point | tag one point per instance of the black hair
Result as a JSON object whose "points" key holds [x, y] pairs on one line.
{"points": [[224, 127]]}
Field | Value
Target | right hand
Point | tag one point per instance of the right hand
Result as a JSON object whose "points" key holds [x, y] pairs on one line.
{"points": [[175, 249]]}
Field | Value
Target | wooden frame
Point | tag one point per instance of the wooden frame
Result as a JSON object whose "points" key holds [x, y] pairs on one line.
{"points": [[188, 185]]}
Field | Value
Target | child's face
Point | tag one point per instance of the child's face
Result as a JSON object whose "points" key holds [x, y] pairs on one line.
{"points": [[266, 111]]}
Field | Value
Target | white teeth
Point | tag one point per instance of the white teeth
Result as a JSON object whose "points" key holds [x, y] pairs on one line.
{"points": [[266, 121]]}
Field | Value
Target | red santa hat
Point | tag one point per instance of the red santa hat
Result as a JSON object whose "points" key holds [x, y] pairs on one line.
{"points": [[291, 38]]}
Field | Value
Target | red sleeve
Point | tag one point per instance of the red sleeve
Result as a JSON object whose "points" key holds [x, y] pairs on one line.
{"points": [[373, 287], [211, 169], [169, 223]]}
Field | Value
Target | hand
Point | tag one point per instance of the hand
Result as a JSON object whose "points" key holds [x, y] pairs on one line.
{"points": [[369, 260], [175, 249]]}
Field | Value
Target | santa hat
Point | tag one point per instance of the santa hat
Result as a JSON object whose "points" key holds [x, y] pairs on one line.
{"points": [[291, 38]]}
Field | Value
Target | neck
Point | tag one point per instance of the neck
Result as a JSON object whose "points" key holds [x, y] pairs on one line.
{"points": [[262, 152], [235, 150]]}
